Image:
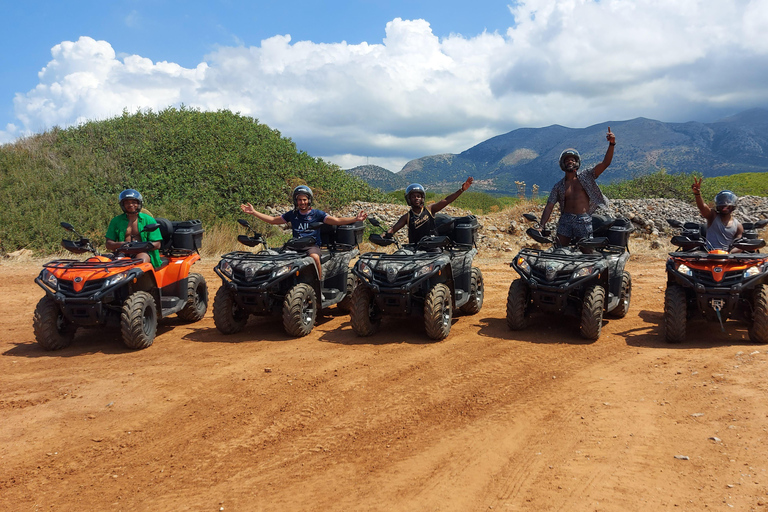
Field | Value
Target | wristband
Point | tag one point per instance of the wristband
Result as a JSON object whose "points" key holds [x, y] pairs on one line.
{"points": [[611, 143]]}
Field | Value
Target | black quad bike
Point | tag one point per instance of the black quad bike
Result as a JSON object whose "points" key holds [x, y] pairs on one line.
{"points": [[284, 282], [716, 285], [430, 279], [119, 289], [584, 279]]}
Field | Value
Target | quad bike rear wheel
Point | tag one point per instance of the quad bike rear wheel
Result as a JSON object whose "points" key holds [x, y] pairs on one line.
{"points": [[197, 299], [675, 314], [52, 330], [363, 315], [438, 312], [758, 332], [300, 310], [592, 312], [518, 305], [138, 321], [345, 304], [625, 295], [228, 317], [476, 293]]}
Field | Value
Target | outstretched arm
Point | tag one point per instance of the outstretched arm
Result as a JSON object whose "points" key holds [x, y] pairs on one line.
{"points": [[451, 198], [704, 210], [599, 168], [338, 221], [269, 219]]}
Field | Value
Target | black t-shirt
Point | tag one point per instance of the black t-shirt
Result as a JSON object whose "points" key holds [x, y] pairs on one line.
{"points": [[420, 225]]}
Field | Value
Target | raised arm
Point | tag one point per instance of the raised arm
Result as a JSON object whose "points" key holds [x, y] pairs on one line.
{"points": [[704, 210], [339, 221], [269, 219], [451, 198], [599, 168]]}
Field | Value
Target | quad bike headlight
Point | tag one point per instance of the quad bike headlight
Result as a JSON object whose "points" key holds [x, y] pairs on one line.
{"points": [[684, 269], [523, 264], [426, 269], [365, 269], [115, 279], [226, 268], [753, 271], [50, 279], [280, 271], [584, 271]]}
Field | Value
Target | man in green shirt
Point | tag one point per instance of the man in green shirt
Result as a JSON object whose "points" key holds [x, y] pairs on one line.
{"points": [[128, 227]]}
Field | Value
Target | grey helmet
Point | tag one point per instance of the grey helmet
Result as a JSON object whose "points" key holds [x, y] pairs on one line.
{"points": [[570, 152], [413, 187], [725, 198], [303, 190], [130, 193]]}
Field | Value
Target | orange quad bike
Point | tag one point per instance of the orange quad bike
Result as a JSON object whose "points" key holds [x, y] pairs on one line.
{"points": [[111, 289], [714, 284]]}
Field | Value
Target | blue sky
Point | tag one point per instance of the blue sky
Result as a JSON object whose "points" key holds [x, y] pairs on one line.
{"points": [[381, 81]]}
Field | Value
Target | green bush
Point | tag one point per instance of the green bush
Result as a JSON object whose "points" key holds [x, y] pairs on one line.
{"points": [[187, 164]]}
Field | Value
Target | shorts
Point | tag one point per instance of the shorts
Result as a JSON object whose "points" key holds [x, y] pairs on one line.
{"points": [[314, 250], [573, 225]]}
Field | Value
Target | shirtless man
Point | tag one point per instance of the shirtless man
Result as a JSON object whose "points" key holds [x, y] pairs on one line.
{"points": [[577, 194]]}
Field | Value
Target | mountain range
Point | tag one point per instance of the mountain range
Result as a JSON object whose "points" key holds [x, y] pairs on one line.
{"points": [[732, 145]]}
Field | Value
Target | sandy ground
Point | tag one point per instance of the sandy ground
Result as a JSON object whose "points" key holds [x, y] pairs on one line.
{"points": [[484, 420]]}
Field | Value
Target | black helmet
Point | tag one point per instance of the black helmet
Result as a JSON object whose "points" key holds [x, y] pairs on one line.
{"points": [[302, 190], [129, 193], [413, 187], [725, 198], [570, 152]]}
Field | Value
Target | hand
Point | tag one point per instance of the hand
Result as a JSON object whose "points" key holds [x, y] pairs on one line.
{"points": [[546, 233], [361, 216], [248, 208], [610, 136], [467, 184], [388, 236], [696, 187]]}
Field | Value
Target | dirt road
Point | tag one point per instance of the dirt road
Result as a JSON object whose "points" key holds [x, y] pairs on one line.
{"points": [[484, 420]]}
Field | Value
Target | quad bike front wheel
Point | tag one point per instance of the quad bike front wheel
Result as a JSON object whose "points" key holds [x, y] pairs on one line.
{"points": [[758, 332], [138, 321], [476, 293], [228, 317], [345, 304], [197, 299], [625, 295], [438, 312], [518, 305], [52, 330], [592, 312], [300, 310], [363, 315], [675, 314]]}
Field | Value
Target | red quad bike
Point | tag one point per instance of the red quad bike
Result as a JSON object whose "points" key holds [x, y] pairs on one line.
{"points": [[120, 289], [716, 285]]}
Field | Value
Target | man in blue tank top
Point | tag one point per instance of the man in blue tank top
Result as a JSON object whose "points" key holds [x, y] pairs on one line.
{"points": [[421, 219], [722, 228]]}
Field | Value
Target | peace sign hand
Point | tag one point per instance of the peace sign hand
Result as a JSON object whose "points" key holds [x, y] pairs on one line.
{"points": [[696, 186]]}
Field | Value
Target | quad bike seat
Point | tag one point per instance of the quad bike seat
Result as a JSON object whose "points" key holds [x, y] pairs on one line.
{"points": [[166, 231]]}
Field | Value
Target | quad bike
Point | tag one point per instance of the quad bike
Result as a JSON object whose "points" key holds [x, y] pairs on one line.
{"points": [[430, 279], [284, 282], [716, 285], [584, 279], [119, 289]]}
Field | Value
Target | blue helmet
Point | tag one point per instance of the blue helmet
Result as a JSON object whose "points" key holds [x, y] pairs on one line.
{"points": [[413, 187], [303, 190], [725, 198], [570, 152], [129, 193]]}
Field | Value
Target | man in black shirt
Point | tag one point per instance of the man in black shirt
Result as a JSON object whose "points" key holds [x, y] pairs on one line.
{"points": [[421, 219]]}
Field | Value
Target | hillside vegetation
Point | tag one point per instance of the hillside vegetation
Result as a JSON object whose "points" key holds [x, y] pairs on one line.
{"points": [[187, 164]]}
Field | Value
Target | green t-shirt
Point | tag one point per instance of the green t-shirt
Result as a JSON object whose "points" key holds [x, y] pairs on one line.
{"points": [[119, 225]]}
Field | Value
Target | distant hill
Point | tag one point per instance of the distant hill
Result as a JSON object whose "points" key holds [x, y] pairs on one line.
{"points": [[732, 145], [379, 177]]}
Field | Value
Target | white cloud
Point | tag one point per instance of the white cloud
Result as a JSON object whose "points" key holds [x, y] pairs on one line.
{"points": [[570, 62]]}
